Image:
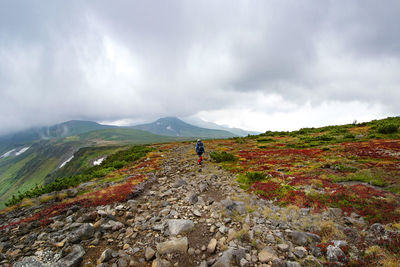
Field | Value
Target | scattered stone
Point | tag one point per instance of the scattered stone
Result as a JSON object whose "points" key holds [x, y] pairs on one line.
{"points": [[60, 244], [105, 256], [283, 247], [74, 258], [160, 263], [300, 252], [149, 253], [197, 213], [222, 229], [311, 261], [179, 183], [192, 198], [335, 212], [292, 264], [211, 245], [304, 238], [271, 238], [244, 262], [191, 251], [231, 235], [340, 243], [122, 262], [203, 187]]}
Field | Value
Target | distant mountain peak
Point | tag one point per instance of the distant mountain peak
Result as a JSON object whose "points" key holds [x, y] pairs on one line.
{"points": [[169, 119], [173, 126]]}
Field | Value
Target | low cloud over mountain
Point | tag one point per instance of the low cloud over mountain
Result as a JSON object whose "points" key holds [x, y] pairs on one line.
{"points": [[256, 65]]}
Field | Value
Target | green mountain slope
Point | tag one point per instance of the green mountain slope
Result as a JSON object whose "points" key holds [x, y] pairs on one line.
{"points": [[61, 130], [125, 136], [41, 162], [172, 126], [83, 159], [24, 171]]}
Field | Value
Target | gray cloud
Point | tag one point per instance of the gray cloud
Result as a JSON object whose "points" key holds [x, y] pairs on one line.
{"points": [[140, 60]]}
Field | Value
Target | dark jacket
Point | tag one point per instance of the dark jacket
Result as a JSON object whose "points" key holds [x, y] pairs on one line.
{"points": [[199, 147]]}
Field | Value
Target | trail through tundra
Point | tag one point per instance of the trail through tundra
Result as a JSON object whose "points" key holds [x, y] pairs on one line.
{"points": [[189, 215]]}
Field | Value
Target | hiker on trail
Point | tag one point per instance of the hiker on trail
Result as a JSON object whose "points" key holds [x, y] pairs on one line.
{"points": [[199, 150]]}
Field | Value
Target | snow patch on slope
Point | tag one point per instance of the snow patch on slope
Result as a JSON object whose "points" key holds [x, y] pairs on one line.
{"points": [[22, 150], [8, 153], [65, 162], [98, 161]]}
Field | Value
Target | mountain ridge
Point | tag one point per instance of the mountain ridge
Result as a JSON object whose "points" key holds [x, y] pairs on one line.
{"points": [[60, 130], [172, 126], [212, 125]]}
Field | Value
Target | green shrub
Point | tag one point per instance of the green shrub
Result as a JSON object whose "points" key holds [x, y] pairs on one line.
{"points": [[255, 176], [250, 177], [240, 140], [222, 156], [265, 140], [387, 128], [349, 136], [365, 176], [119, 164]]}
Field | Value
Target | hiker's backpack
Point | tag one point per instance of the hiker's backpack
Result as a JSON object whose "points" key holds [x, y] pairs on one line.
{"points": [[200, 147]]}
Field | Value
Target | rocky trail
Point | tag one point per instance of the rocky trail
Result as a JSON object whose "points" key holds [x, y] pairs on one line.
{"points": [[187, 215]]}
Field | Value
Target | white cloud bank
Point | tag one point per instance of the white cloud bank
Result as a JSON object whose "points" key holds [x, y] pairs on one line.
{"points": [[259, 65]]}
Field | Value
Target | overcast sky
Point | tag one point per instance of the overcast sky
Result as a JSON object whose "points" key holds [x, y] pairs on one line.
{"points": [[259, 65]]}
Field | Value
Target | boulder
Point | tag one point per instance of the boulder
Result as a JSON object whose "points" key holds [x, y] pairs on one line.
{"points": [[85, 231], [225, 259], [300, 252], [179, 226], [174, 245], [267, 254], [74, 258], [334, 253], [112, 225], [304, 238]]}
